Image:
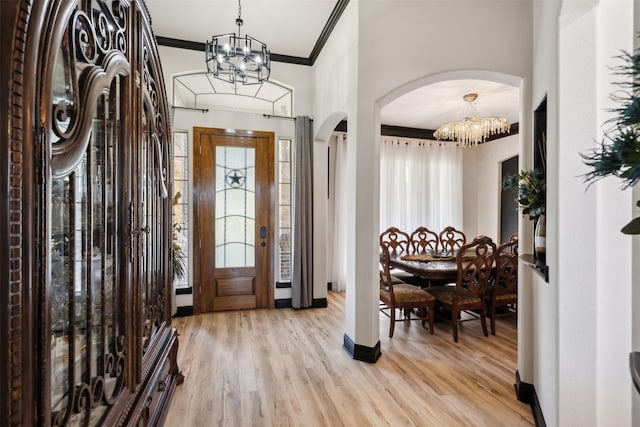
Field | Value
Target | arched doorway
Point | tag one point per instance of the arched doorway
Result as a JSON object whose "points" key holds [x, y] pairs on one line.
{"points": [[524, 306]]}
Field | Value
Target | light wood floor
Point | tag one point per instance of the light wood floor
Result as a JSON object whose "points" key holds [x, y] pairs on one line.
{"points": [[286, 367]]}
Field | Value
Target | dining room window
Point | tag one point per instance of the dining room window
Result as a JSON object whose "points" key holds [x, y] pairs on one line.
{"points": [[421, 184]]}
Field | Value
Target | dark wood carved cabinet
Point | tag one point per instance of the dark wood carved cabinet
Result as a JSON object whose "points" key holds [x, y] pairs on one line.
{"points": [[85, 223]]}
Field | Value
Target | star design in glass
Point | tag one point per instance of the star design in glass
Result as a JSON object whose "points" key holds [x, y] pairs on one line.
{"points": [[235, 178]]}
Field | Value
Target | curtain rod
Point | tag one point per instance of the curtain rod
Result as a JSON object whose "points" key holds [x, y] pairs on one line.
{"points": [[204, 110], [272, 116]]}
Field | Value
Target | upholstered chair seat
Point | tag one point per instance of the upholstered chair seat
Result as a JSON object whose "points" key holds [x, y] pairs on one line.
{"points": [[396, 295], [446, 294]]}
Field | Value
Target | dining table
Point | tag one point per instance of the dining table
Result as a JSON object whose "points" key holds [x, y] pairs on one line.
{"points": [[431, 269]]}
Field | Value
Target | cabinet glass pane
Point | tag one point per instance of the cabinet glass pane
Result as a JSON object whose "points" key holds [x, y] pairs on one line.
{"points": [[60, 283], [154, 229], [147, 184], [63, 95], [87, 350]]}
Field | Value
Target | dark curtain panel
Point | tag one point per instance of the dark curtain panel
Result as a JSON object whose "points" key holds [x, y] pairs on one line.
{"points": [[302, 251]]}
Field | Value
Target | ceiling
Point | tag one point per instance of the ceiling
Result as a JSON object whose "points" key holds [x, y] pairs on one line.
{"points": [[430, 106], [288, 27], [293, 28]]}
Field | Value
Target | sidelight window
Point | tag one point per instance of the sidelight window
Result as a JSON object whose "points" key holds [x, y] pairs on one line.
{"points": [[180, 168], [284, 210]]}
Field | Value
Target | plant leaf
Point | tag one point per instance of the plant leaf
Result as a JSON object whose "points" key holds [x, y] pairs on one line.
{"points": [[633, 227]]}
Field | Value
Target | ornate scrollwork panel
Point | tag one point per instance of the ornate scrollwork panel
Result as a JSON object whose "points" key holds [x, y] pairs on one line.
{"points": [[93, 51], [88, 324], [157, 124], [155, 170], [93, 83]]}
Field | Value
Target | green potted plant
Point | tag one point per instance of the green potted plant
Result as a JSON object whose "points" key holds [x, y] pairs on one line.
{"points": [[532, 189], [619, 152]]}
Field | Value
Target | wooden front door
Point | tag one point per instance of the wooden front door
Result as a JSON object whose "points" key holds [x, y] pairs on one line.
{"points": [[233, 205]]}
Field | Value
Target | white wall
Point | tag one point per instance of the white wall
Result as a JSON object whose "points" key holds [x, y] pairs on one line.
{"points": [[594, 275], [331, 144], [176, 61], [537, 358], [483, 185], [335, 88], [614, 208]]}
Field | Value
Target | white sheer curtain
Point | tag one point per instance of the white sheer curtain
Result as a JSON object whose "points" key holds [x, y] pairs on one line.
{"points": [[420, 185], [339, 261]]}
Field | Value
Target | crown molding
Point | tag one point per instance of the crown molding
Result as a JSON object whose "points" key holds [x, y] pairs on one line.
{"points": [[417, 133], [336, 13]]}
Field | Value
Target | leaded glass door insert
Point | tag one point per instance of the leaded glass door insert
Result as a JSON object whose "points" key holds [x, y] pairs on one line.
{"points": [[235, 206]]}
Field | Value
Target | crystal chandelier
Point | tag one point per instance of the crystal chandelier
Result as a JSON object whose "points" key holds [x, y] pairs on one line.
{"points": [[235, 58], [471, 130]]}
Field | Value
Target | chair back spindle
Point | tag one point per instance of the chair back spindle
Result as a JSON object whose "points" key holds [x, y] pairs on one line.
{"points": [[475, 266], [396, 240], [423, 241], [452, 240]]}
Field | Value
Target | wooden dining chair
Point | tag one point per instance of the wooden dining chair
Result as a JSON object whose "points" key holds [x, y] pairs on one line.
{"points": [[451, 240], [397, 241], [423, 241], [475, 264], [398, 244], [402, 296], [504, 289]]}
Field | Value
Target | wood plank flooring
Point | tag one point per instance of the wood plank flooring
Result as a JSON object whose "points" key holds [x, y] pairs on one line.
{"points": [[286, 367]]}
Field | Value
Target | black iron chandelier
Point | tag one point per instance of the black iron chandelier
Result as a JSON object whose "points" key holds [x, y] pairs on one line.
{"points": [[235, 58]]}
